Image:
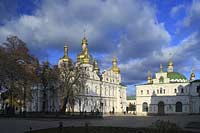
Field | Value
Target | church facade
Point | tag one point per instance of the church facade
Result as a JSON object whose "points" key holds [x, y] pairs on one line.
{"points": [[103, 91], [168, 93]]}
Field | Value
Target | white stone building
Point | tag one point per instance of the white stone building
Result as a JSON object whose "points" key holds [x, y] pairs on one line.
{"points": [[169, 93], [103, 91]]}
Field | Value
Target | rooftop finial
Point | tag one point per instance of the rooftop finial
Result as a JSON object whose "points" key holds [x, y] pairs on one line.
{"points": [[84, 32], [161, 68], [192, 76], [170, 64], [84, 40], [66, 50], [149, 77]]}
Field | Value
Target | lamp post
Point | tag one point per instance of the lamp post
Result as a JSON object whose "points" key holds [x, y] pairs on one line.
{"points": [[101, 102]]}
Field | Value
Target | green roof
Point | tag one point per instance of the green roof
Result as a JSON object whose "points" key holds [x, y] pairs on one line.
{"points": [[197, 80], [130, 98], [175, 75]]}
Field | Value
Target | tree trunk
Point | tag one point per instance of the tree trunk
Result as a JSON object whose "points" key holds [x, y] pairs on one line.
{"points": [[65, 100]]}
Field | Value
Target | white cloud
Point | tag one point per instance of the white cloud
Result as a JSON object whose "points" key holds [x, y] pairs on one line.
{"points": [[176, 9], [193, 17], [134, 26], [128, 28], [58, 21], [185, 56]]}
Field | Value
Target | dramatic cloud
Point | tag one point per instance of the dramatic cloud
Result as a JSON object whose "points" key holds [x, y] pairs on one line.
{"points": [[56, 22], [185, 54], [128, 29]]}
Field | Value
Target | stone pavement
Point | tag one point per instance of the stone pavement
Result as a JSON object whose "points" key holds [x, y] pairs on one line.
{"points": [[17, 125]]}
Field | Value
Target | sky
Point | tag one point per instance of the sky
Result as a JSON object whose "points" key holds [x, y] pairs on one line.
{"points": [[141, 33]]}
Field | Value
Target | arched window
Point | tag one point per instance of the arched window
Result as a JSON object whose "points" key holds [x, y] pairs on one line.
{"points": [[86, 102], [161, 79], [147, 91], [164, 91], [178, 107], [87, 90], [175, 91], [79, 102], [160, 90], [141, 92], [144, 107], [198, 89], [182, 90]]}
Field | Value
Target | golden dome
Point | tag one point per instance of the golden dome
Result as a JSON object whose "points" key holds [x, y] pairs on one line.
{"points": [[114, 66], [86, 60], [66, 58], [116, 70], [192, 76], [149, 78], [96, 67], [170, 63], [84, 56]]}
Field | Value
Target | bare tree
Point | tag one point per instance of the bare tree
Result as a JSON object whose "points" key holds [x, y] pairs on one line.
{"points": [[72, 80], [17, 70], [49, 83]]}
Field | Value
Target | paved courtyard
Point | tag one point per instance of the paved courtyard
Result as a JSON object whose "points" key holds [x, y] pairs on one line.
{"points": [[16, 125]]}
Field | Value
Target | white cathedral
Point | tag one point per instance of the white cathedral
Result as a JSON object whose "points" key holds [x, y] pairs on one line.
{"points": [[169, 93], [103, 92]]}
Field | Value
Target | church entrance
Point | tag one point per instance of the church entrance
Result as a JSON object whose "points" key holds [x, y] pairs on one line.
{"points": [[161, 108]]}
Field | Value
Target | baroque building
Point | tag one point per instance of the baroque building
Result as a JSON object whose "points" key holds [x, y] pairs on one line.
{"points": [[168, 93], [103, 91]]}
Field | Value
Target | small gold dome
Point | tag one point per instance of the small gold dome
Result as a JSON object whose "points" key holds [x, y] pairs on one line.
{"points": [[114, 66], [170, 63], [84, 56], [66, 58], [95, 65], [116, 70], [193, 75]]}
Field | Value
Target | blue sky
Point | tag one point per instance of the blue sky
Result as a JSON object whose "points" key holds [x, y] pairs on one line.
{"points": [[142, 34]]}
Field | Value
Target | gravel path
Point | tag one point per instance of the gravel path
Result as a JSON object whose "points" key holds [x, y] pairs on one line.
{"points": [[16, 125]]}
